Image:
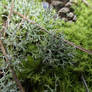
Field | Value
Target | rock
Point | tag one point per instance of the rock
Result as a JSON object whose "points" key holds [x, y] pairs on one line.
{"points": [[69, 4], [74, 18], [74, 1], [62, 15], [57, 4], [64, 19], [45, 5], [70, 15], [65, 1], [64, 10]]}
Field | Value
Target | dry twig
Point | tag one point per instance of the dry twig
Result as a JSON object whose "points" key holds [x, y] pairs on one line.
{"points": [[6, 23], [5, 54], [68, 42], [43, 29], [84, 82], [12, 70]]}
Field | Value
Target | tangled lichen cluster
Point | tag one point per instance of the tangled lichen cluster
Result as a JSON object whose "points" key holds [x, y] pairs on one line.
{"points": [[42, 60]]}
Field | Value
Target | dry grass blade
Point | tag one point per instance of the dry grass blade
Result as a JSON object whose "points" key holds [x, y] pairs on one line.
{"points": [[78, 47]]}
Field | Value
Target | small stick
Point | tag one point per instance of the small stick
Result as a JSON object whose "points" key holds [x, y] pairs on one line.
{"points": [[9, 16], [5, 54], [12, 70], [68, 42], [84, 82], [30, 21]]}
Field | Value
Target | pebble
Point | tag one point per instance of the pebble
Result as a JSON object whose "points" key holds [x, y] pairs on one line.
{"points": [[70, 15], [64, 19], [69, 4], [45, 5], [57, 4], [63, 8], [74, 18]]}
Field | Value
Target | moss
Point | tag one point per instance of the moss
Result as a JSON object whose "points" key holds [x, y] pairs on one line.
{"points": [[43, 62]]}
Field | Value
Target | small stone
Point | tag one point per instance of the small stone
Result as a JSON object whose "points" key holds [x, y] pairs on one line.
{"points": [[64, 10], [57, 4], [70, 15], [64, 19], [69, 4], [74, 1], [74, 18], [65, 1], [45, 5], [62, 14]]}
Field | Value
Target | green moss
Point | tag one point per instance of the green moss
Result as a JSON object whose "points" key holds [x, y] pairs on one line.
{"points": [[43, 62]]}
